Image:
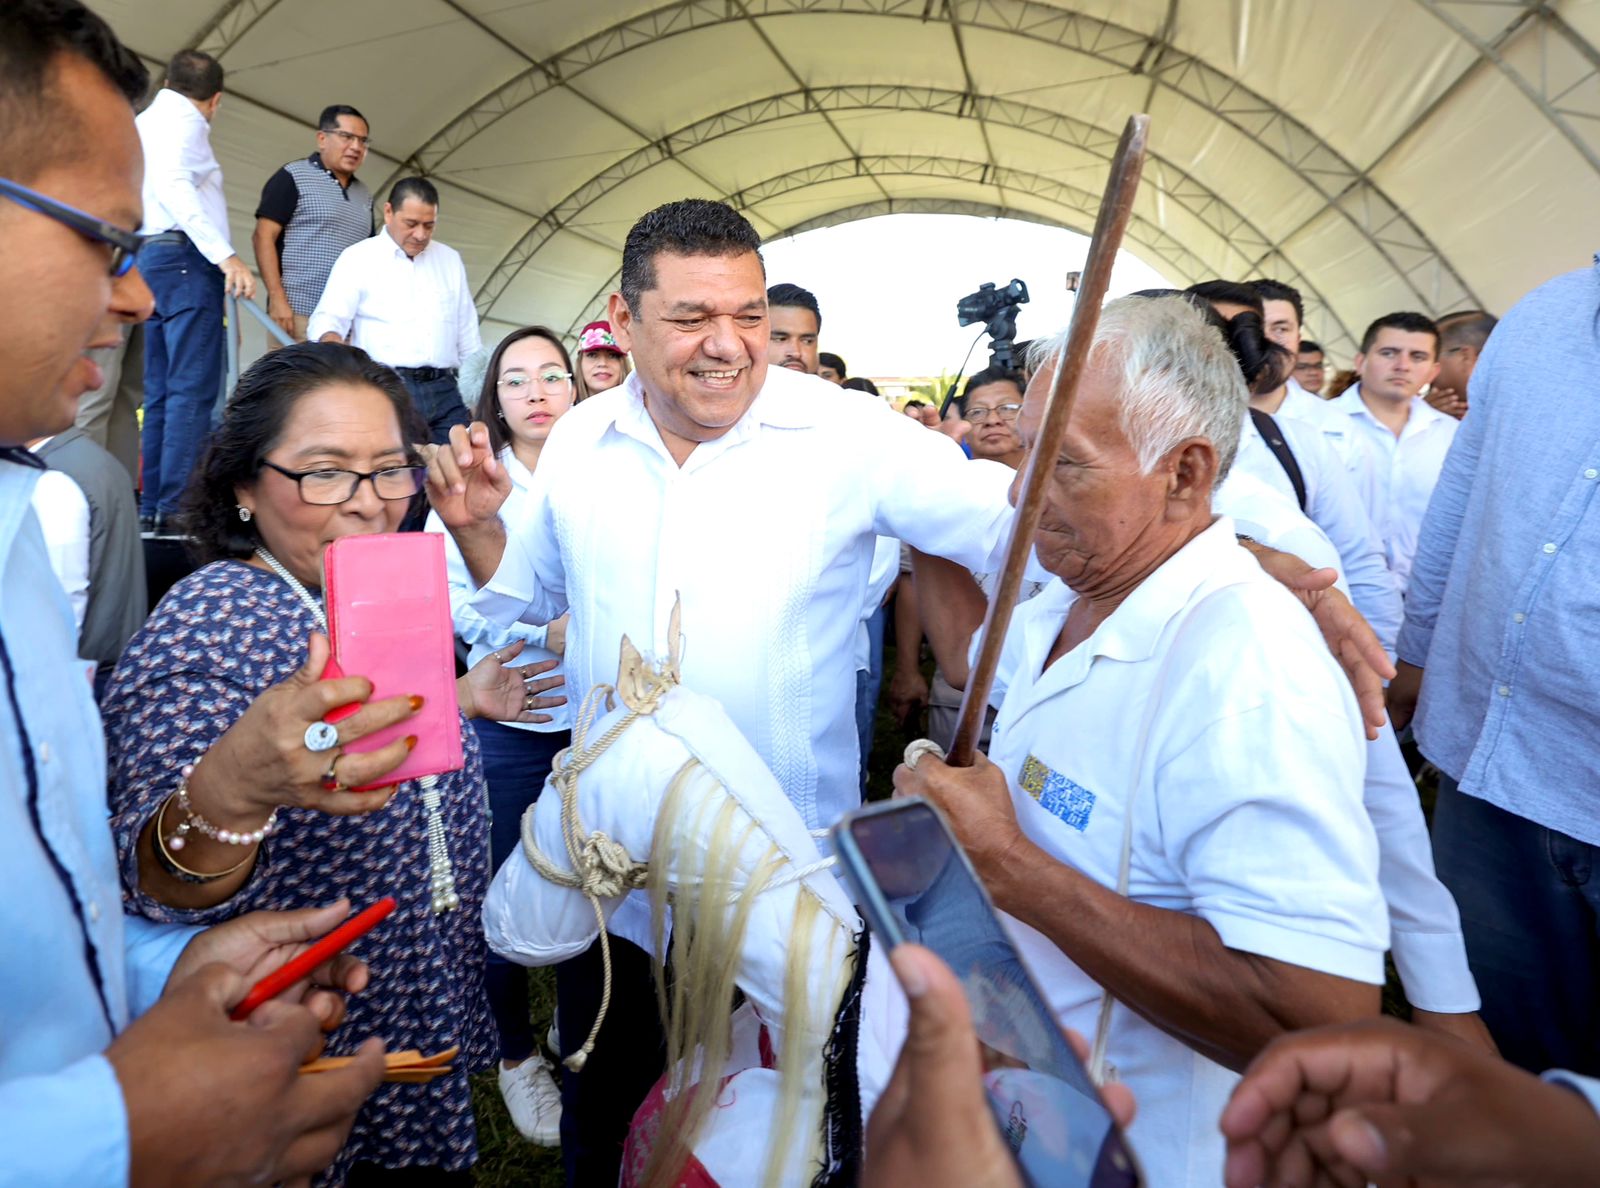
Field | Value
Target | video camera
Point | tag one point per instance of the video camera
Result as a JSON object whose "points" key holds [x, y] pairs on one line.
{"points": [[997, 309]]}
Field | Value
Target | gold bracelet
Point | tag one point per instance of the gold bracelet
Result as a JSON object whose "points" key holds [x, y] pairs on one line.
{"points": [[181, 872]]}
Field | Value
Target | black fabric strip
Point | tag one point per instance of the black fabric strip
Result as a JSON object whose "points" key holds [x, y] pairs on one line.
{"points": [[842, 1130]]}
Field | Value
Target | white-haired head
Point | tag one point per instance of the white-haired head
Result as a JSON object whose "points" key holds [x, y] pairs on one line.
{"points": [[1178, 379]]}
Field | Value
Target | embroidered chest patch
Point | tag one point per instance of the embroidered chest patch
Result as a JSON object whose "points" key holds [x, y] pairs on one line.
{"points": [[1057, 795]]}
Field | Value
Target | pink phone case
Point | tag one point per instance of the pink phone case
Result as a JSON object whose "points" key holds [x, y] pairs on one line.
{"points": [[389, 621]]}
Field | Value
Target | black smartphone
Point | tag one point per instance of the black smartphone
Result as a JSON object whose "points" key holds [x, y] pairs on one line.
{"points": [[913, 883]]}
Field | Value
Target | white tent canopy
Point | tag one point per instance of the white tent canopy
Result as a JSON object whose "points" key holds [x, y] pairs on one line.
{"points": [[1378, 154]]}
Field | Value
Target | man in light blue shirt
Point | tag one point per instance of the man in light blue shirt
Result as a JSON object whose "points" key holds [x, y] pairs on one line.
{"points": [[1502, 638], [118, 1062]]}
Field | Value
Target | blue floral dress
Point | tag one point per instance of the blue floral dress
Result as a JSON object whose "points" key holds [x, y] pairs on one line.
{"points": [[218, 640]]}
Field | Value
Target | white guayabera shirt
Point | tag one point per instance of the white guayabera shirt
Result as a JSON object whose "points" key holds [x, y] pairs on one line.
{"points": [[767, 533]]}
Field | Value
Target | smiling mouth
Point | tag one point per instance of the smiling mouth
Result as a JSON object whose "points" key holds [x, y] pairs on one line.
{"points": [[718, 379]]}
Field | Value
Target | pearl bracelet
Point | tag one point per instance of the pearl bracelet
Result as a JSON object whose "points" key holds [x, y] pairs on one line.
{"points": [[193, 820]]}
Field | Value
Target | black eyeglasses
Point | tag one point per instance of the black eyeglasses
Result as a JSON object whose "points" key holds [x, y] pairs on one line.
{"points": [[325, 488], [124, 245]]}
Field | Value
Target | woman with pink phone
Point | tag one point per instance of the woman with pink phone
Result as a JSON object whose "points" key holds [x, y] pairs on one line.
{"points": [[528, 386], [235, 781]]}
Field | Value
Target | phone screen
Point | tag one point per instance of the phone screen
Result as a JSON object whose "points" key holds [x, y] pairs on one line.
{"points": [[910, 871]]}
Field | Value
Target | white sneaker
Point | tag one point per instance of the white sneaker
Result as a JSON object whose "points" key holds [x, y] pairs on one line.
{"points": [[534, 1101]]}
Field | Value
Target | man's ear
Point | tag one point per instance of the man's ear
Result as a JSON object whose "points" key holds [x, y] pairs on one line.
{"points": [[1191, 477], [621, 319]]}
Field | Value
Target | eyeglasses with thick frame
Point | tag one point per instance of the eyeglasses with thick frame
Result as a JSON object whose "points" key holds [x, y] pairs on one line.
{"points": [[977, 415], [124, 244], [519, 387], [321, 488], [347, 137]]}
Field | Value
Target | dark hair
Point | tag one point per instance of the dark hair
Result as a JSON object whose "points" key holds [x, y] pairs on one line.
{"points": [[794, 297], [194, 74], [1466, 327], [829, 359], [1229, 293], [687, 227], [419, 188], [992, 375], [32, 34], [860, 383], [1265, 364], [487, 409], [1275, 290], [328, 121], [915, 404], [1406, 320], [1307, 347], [252, 425]]}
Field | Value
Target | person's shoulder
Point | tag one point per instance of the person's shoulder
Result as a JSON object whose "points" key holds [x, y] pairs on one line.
{"points": [[447, 255]]}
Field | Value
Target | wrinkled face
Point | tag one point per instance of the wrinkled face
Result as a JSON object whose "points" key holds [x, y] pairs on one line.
{"points": [[829, 374], [336, 427], [601, 370], [58, 300], [534, 389], [1398, 365], [794, 338], [1100, 513], [1309, 371], [1282, 326], [343, 150], [412, 225], [991, 409], [698, 341]]}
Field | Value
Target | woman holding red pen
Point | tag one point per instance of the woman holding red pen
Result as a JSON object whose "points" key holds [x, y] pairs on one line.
{"points": [[229, 790]]}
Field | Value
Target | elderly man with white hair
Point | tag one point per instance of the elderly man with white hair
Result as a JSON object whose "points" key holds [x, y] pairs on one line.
{"points": [[1172, 819]]}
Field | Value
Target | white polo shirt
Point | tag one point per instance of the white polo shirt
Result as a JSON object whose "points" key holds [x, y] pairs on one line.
{"points": [[1208, 705], [1407, 470]]}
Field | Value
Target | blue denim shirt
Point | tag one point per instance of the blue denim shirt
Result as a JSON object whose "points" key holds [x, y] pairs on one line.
{"points": [[1503, 612], [74, 969]]}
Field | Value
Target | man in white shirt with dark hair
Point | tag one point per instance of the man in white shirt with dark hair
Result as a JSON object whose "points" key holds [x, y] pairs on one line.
{"points": [[1172, 820], [189, 264], [1408, 437], [402, 296]]}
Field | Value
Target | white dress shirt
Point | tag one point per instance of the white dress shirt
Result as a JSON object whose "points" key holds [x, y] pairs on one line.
{"points": [[182, 180], [1208, 707], [402, 311], [478, 633], [767, 533], [1348, 444], [1333, 504], [63, 513], [1407, 469]]}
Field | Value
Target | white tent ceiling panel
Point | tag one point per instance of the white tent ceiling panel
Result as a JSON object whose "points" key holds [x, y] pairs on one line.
{"points": [[1052, 76], [545, 27], [787, 208], [610, 215], [542, 151], [383, 56], [826, 49], [561, 277], [913, 132], [480, 230], [740, 159], [1351, 267]]}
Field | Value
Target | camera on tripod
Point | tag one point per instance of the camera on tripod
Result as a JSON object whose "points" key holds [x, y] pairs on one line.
{"points": [[997, 309]]}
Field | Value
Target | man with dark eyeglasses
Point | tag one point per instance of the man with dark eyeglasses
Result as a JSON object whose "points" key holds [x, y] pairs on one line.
{"points": [[189, 265], [119, 1064]]}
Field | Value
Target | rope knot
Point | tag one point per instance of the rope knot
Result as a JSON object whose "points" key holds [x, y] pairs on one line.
{"points": [[606, 868]]}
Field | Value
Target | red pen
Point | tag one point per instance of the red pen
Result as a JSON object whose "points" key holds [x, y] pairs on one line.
{"points": [[278, 981]]}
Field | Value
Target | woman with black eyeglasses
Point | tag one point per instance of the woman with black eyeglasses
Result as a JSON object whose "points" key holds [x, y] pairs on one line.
{"points": [[221, 796]]}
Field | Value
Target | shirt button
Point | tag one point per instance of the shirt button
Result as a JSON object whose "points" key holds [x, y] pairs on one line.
{"points": [[1504, 690], [94, 912], [1550, 548], [1518, 617], [1591, 473], [44, 752]]}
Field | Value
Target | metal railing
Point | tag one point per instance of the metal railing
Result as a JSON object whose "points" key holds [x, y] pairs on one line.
{"points": [[234, 335]]}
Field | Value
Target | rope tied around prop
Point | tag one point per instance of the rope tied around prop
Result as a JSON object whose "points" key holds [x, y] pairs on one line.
{"points": [[601, 867]]}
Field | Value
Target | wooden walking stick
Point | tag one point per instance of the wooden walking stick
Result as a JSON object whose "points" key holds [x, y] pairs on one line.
{"points": [[1116, 207]]}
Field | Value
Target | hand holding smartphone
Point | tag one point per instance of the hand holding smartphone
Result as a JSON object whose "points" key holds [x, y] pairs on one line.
{"points": [[914, 884]]}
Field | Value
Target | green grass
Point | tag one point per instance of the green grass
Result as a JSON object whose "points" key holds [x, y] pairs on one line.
{"points": [[505, 1158]]}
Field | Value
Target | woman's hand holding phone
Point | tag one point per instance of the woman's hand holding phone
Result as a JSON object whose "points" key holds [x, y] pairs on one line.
{"points": [[262, 761]]}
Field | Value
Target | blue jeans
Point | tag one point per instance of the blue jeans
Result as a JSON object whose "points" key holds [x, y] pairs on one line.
{"points": [[515, 764], [1530, 910], [869, 681], [439, 402], [182, 369]]}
